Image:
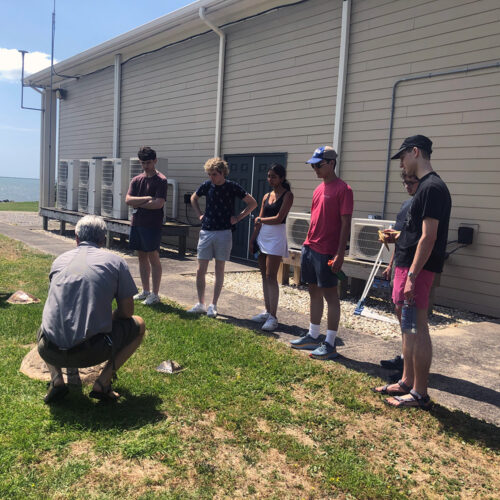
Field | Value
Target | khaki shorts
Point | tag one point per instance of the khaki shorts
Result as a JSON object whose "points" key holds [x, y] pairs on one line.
{"points": [[93, 351]]}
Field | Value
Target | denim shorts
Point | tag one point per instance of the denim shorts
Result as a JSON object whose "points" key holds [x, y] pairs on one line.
{"points": [[145, 239], [314, 269], [215, 244], [93, 351]]}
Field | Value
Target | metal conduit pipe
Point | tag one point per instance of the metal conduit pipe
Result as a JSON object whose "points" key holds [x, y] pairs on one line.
{"points": [[220, 79], [117, 103], [393, 106]]}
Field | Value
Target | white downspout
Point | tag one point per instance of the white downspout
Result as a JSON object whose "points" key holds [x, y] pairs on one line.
{"points": [[220, 79], [342, 77], [175, 197], [117, 105]]}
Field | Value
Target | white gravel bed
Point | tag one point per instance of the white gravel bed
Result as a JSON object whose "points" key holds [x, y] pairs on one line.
{"points": [[296, 298]]}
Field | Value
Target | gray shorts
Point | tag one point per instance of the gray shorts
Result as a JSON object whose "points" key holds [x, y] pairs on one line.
{"points": [[215, 244], [314, 269], [93, 351]]}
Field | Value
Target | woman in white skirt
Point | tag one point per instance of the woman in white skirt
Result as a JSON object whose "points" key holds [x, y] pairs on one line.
{"points": [[269, 238]]}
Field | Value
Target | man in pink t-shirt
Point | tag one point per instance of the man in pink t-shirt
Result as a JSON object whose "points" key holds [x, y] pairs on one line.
{"points": [[331, 212]]}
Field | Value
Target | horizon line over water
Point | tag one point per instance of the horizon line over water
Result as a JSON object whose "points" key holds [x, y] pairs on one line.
{"points": [[19, 189]]}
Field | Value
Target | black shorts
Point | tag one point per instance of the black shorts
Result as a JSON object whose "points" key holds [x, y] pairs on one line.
{"points": [[93, 351], [145, 239], [314, 269]]}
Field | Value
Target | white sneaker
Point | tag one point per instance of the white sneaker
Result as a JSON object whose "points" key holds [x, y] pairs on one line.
{"points": [[198, 308], [151, 299], [212, 311], [270, 324], [259, 318], [141, 296]]}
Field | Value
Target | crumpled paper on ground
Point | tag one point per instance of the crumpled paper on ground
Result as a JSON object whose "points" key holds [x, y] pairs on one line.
{"points": [[170, 367]]}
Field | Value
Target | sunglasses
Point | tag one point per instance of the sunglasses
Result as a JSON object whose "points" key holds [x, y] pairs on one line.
{"points": [[317, 165], [410, 183]]}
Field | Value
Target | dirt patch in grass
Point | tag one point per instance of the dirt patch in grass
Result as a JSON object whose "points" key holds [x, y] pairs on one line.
{"points": [[433, 463], [10, 252]]}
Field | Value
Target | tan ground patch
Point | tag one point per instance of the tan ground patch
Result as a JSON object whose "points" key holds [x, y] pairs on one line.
{"points": [[434, 461]]}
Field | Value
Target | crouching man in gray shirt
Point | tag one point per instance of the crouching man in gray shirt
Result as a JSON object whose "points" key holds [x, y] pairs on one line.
{"points": [[79, 327]]}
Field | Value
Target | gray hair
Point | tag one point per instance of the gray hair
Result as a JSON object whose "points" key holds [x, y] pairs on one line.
{"points": [[91, 228]]}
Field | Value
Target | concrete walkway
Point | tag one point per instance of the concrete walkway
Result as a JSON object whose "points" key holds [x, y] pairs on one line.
{"points": [[465, 373]]}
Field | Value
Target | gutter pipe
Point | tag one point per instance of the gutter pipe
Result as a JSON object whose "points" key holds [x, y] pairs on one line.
{"points": [[117, 105], [341, 79], [220, 79], [393, 106]]}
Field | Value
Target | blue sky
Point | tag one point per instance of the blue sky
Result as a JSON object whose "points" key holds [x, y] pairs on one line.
{"points": [[27, 25]]}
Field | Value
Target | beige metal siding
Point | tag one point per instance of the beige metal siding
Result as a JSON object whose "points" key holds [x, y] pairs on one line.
{"points": [[460, 113], [280, 87], [86, 116]]}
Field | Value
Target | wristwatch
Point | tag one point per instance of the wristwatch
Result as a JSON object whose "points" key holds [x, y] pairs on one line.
{"points": [[412, 276]]}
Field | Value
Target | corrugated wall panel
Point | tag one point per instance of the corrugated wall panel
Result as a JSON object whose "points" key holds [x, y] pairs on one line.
{"points": [[86, 117]]}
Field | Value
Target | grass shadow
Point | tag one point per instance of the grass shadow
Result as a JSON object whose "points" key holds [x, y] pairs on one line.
{"points": [[130, 412], [3, 299], [455, 421]]}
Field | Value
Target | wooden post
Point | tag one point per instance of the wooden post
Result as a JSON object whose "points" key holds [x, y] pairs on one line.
{"points": [[62, 227], [45, 223], [283, 274]]}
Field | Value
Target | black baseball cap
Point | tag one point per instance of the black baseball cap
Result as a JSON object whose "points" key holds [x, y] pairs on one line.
{"points": [[419, 141]]}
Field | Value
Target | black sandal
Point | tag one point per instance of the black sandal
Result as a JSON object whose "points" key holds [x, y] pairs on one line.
{"points": [[55, 392], [105, 394], [415, 400], [385, 389]]}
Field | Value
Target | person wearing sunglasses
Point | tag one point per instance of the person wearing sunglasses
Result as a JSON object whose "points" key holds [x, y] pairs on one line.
{"points": [[326, 240], [410, 182]]}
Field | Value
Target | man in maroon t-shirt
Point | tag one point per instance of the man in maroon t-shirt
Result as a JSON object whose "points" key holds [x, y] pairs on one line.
{"points": [[147, 194], [331, 212]]}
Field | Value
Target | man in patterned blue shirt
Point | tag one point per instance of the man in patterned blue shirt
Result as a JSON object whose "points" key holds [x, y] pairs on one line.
{"points": [[216, 239]]}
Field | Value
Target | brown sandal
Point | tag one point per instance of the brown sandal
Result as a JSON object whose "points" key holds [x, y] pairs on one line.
{"points": [[105, 394]]}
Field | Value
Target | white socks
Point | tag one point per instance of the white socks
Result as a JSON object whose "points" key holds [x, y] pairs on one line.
{"points": [[313, 331], [330, 336]]}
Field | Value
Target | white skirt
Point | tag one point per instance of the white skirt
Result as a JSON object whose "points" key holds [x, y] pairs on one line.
{"points": [[272, 239]]}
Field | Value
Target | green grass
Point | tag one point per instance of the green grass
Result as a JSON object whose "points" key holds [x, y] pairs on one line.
{"points": [[248, 417], [19, 206]]}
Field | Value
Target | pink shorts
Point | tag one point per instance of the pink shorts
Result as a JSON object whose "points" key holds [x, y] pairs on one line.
{"points": [[423, 285]]}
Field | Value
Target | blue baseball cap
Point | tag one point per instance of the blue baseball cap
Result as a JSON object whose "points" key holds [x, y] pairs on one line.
{"points": [[323, 153]]}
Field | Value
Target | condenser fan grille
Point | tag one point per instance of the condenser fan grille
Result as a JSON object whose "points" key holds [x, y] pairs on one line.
{"points": [[367, 241], [299, 231]]}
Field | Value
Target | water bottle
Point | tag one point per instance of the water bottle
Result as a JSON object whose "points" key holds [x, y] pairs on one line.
{"points": [[409, 318]]}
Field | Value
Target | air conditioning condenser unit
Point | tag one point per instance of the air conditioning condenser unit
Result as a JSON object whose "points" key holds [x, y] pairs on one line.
{"points": [[89, 187], [364, 243], [67, 184], [114, 186]]}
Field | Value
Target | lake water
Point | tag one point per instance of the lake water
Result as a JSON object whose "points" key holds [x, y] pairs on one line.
{"points": [[19, 189]]}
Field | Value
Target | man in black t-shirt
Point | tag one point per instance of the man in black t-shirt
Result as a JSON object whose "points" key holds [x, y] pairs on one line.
{"points": [[420, 253], [216, 237]]}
